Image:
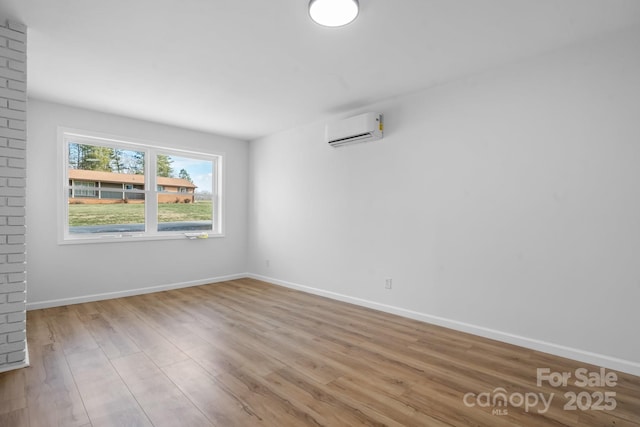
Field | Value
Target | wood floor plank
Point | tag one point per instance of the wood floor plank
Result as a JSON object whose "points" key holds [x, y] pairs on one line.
{"points": [[53, 398], [163, 403], [70, 331], [112, 342], [16, 418], [150, 340], [106, 397], [133, 417], [336, 410], [272, 408], [13, 393], [220, 405], [392, 405], [247, 353]]}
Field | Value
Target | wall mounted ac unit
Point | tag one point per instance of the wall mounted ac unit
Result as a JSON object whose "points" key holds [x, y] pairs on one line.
{"points": [[363, 128]]}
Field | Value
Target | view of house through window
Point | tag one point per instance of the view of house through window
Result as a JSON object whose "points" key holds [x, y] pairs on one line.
{"points": [[106, 189], [183, 205], [110, 189]]}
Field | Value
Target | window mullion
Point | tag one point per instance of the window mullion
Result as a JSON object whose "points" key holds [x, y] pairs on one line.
{"points": [[151, 195]]}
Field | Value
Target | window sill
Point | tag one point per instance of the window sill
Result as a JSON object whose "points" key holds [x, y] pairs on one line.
{"points": [[122, 238]]}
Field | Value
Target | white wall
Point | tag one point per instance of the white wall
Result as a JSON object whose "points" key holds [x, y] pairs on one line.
{"points": [[72, 272], [507, 204]]}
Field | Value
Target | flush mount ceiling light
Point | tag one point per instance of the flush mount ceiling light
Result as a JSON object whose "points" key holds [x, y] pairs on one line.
{"points": [[333, 13]]}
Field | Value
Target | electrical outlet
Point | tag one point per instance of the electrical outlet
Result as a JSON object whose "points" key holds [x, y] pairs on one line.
{"points": [[388, 283]]}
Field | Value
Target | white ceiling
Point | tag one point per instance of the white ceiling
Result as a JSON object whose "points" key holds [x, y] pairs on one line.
{"points": [[248, 68]]}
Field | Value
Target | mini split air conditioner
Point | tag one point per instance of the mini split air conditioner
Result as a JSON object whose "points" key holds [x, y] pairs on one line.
{"points": [[363, 128]]}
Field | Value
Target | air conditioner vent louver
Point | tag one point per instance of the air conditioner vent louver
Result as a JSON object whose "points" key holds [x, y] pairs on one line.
{"points": [[363, 128], [350, 138]]}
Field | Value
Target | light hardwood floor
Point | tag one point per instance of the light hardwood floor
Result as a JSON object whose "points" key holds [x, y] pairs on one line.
{"points": [[246, 353]]}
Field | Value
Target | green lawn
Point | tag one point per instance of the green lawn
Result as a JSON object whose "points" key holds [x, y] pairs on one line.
{"points": [[133, 213]]}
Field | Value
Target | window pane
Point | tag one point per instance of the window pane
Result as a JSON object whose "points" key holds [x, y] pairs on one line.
{"points": [[185, 193], [85, 189], [98, 179], [115, 215]]}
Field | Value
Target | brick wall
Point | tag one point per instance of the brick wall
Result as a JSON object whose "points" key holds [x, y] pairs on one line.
{"points": [[13, 120]]}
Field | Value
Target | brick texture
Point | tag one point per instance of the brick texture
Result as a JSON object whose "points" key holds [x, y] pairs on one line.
{"points": [[13, 138]]}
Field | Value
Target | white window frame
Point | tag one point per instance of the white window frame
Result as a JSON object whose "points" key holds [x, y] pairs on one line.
{"points": [[151, 192]]}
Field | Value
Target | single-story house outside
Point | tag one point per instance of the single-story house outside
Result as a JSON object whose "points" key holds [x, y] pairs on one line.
{"points": [[88, 186]]}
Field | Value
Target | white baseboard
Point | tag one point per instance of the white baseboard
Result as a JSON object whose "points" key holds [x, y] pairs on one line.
{"points": [[610, 362], [130, 292], [614, 363]]}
